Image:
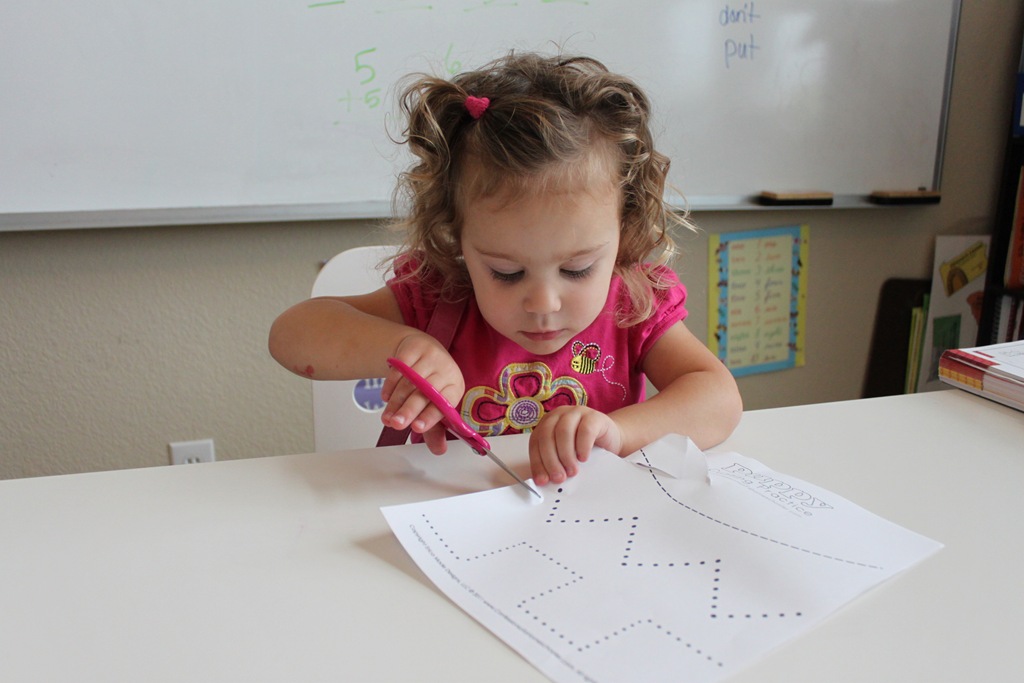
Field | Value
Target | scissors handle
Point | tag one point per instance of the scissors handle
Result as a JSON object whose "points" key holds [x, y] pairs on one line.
{"points": [[451, 416]]}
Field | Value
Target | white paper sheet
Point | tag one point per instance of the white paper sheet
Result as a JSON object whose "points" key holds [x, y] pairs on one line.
{"points": [[662, 567]]}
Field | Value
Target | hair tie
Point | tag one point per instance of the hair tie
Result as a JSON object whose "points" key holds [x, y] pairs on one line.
{"points": [[476, 106]]}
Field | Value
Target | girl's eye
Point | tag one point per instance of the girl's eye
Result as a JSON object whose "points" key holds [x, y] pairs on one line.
{"points": [[577, 274], [506, 277]]}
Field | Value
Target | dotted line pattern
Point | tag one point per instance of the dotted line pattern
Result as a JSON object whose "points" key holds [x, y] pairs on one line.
{"points": [[661, 630], [715, 605], [492, 553], [633, 522], [632, 527], [747, 531], [573, 576]]}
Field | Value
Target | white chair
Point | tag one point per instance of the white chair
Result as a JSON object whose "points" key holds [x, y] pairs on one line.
{"points": [[346, 414]]}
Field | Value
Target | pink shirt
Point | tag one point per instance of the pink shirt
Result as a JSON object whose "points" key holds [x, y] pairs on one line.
{"points": [[509, 390]]}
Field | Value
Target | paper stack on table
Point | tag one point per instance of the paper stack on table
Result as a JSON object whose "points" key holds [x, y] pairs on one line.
{"points": [[670, 565]]}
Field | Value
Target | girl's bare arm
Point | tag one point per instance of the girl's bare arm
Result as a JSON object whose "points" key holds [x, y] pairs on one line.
{"points": [[339, 337], [697, 395]]}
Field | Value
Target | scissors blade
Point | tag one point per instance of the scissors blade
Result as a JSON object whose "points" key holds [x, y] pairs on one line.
{"points": [[515, 476]]}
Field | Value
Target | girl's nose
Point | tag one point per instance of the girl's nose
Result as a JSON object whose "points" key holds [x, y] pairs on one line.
{"points": [[541, 299]]}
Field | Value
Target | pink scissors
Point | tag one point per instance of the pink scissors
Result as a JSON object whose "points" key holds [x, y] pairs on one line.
{"points": [[456, 425]]}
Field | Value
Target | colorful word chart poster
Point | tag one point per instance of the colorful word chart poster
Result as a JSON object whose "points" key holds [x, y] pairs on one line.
{"points": [[757, 298]]}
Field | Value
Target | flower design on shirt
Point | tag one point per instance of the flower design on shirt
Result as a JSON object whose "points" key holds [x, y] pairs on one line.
{"points": [[526, 393]]}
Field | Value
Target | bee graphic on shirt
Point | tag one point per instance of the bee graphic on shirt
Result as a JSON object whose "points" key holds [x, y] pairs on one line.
{"points": [[587, 360], [585, 357]]}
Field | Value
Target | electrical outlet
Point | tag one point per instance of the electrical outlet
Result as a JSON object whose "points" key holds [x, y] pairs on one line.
{"points": [[190, 452]]}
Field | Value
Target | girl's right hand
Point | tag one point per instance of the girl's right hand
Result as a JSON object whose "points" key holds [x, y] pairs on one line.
{"points": [[406, 405], [564, 439]]}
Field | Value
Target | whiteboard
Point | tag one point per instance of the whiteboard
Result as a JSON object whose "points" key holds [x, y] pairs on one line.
{"points": [[119, 113]]}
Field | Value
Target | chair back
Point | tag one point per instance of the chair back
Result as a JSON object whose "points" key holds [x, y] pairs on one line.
{"points": [[346, 414]]}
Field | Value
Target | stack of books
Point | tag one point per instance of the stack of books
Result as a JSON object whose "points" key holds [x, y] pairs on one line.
{"points": [[995, 372]]}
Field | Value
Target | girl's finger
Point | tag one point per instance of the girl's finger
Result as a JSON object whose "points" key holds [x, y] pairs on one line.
{"points": [[586, 436], [544, 456], [436, 439], [537, 471], [403, 405], [565, 443], [390, 381]]}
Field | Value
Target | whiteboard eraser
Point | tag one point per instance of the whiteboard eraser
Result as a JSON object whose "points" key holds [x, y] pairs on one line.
{"points": [[890, 197], [795, 198]]}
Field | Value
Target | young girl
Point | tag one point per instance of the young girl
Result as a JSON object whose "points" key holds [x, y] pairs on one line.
{"points": [[536, 213]]}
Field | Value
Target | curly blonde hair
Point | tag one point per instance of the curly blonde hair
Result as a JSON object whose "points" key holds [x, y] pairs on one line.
{"points": [[559, 122]]}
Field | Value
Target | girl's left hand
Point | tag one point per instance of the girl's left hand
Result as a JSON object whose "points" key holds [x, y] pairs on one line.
{"points": [[564, 439]]}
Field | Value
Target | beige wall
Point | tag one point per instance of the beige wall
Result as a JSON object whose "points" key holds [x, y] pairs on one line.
{"points": [[114, 343]]}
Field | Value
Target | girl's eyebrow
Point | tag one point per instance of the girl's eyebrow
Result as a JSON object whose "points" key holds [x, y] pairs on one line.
{"points": [[586, 251]]}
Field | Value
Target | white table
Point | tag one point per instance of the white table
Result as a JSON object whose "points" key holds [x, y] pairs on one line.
{"points": [[283, 569]]}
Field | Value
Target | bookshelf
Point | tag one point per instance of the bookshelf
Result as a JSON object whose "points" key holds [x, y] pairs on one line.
{"points": [[1002, 316]]}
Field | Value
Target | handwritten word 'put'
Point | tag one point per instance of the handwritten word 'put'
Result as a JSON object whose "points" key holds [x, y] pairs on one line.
{"points": [[740, 50]]}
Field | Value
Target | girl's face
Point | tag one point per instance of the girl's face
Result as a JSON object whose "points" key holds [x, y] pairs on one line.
{"points": [[541, 265]]}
